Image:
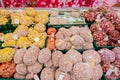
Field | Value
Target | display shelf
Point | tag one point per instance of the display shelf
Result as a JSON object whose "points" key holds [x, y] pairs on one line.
{"points": [[8, 28]]}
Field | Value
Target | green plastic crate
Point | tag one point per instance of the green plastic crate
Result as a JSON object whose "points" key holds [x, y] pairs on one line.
{"points": [[104, 77], [100, 47], [89, 23], [57, 27], [79, 50], [7, 28], [64, 25]]}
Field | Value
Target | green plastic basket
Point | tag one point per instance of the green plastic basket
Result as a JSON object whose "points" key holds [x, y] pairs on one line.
{"points": [[64, 25], [7, 28], [100, 47], [89, 23], [68, 26], [104, 77], [79, 50]]}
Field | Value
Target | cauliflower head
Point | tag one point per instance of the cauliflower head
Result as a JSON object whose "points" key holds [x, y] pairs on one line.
{"points": [[23, 42], [42, 18], [31, 12], [6, 54]]}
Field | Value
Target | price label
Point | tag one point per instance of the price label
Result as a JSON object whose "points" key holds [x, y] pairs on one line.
{"points": [[106, 38], [36, 39], [61, 77], [15, 36], [101, 51], [16, 21], [35, 76], [109, 72], [19, 10], [118, 41], [1, 39]]}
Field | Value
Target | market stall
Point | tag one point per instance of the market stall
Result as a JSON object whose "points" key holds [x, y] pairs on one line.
{"points": [[78, 43]]}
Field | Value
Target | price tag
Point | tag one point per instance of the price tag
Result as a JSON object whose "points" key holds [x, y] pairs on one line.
{"points": [[15, 36], [109, 72], [1, 39], [97, 20], [35, 76], [36, 39], [118, 41], [16, 21], [61, 77], [98, 16], [19, 10], [101, 51], [99, 28], [106, 38], [53, 34]]}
